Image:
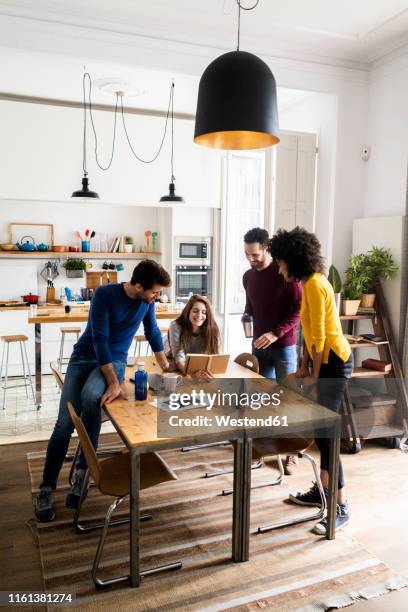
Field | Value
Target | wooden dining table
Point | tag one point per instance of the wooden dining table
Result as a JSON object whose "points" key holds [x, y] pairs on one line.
{"points": [[137, 425], [78, 314]]}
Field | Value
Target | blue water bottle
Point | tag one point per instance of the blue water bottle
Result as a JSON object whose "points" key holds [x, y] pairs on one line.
{"points": [[140, 382]]}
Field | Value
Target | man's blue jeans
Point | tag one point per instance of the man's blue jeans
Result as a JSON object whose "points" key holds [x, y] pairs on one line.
{"points": [[276, 363], [84, 386]]}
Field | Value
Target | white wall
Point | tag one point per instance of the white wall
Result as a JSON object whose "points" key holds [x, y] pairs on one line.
{"points": [[41, 157], [387, 135]]}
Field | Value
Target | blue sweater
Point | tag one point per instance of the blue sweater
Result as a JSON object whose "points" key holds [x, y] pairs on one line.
{"points": [[114, 318]]}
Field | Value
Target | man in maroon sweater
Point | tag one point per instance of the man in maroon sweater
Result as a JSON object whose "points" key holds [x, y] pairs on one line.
{"points": [[275, 307]]}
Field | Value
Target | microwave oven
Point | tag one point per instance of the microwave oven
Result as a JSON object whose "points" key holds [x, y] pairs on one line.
{"points": [[192, 251]]}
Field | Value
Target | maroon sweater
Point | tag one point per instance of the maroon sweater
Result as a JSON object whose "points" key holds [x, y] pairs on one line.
{"points": [[274, 303]]}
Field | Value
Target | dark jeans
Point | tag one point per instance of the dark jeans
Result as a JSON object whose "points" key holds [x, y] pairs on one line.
{"points": [[331, 385], [84, 386]]}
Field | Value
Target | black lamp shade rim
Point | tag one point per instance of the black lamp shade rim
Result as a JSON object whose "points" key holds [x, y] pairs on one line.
{"points": [[85, 194]]}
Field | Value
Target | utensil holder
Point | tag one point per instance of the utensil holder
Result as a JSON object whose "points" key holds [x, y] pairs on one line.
{"points": [[86, 246], [50, 294]]}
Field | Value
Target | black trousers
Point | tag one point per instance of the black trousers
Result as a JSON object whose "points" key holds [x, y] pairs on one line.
{"points": [[331, 385]]}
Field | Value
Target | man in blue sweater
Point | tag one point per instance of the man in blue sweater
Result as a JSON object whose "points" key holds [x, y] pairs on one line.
{"points": [[97, 368]]}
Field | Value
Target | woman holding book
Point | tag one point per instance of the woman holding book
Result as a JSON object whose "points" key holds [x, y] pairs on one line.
{"points": [[327, 359], [194, 331]]}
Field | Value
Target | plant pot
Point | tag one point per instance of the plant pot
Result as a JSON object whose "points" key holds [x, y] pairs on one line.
{"points": [[128, 248], [349, 307], [75, 273], [367, 300]]}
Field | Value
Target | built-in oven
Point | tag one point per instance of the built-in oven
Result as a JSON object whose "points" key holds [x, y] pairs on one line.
{"points": [[193, 251], [191, 280]]}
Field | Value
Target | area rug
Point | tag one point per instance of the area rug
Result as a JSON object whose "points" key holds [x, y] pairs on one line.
{"points": [[289, 569]]}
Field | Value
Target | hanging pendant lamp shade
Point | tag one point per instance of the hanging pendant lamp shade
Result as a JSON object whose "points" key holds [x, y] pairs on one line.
{"points": [[171, 196], [85, 192], [237, 106]]}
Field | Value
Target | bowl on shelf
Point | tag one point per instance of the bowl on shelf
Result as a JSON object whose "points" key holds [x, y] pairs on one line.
{"points": [[59, 248], [8, 247]]}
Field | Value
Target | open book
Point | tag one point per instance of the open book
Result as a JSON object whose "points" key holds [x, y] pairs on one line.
{"points": [[216, 364]]}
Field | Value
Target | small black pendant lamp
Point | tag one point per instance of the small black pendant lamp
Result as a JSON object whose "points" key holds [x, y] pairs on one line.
{"points": [[171, 196], [237, 105], [84, 192]]}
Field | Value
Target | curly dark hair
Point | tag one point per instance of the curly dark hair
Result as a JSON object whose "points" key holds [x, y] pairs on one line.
{"points": [[299, 249], [257, 235]]}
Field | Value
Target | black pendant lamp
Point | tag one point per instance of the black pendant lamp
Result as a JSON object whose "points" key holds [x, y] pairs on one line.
{"points": [[84, 192], [171, 196], [237, 104]]}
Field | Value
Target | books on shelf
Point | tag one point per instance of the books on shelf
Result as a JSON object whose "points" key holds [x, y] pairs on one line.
{"points": [[376, 364], [362, 310], [216, 364], [374, 339]]}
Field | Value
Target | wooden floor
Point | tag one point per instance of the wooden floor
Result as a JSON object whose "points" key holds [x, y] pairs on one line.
{"points": [[377, 482]]}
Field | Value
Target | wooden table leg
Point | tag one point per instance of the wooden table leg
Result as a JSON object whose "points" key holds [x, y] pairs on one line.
{"points": [[134, 518], [333, 478], [37, 349]]}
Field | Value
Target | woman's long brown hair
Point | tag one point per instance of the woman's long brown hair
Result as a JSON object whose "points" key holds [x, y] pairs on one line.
{"points": [[209, 329]]}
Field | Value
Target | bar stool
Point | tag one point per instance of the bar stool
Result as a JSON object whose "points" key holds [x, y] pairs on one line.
{"points": [[7, 340], [140, 338], [66, 330]]}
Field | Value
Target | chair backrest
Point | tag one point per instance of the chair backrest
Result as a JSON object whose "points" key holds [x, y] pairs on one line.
{"points": [[57, 375], [247, 360], [86, 445]]}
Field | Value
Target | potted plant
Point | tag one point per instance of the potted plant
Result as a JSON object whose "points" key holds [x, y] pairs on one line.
{"points": [[128, 244], [74, 268], [350, 300], [367, 269], [335, 281]]}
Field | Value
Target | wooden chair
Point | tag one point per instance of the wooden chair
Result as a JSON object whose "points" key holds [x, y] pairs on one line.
{"points": [[112, 477], [106, 449]]}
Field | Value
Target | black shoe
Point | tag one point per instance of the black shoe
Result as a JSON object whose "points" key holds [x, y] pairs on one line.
{"points": [[310, 498], [72, 499], [342, 519], [44, 507]]}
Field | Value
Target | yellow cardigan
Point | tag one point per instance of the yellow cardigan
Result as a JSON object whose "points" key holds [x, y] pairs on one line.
{"points": [[320, 321]]}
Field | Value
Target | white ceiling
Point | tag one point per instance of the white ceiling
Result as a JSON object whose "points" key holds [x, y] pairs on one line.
{"points": [[44, 44], [348, 30]]}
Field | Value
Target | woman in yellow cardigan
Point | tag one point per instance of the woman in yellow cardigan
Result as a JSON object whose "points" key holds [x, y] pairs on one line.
{"points": [[327, 359]]}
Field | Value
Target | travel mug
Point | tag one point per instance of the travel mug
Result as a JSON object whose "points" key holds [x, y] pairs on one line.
{"points": [[248, 325]]}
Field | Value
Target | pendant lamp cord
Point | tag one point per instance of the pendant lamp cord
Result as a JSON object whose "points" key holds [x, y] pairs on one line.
{"points": [[245, 8], [173, 178], [86, 77]]}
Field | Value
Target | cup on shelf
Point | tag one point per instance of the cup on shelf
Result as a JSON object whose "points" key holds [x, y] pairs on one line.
{"points": [[67, 308], [86, 246], [33, 310]]}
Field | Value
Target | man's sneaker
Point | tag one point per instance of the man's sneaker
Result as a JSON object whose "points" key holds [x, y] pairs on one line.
{"points": [[310, 498], [290, 465], [72, 499], [342, 519], [44, 508]]}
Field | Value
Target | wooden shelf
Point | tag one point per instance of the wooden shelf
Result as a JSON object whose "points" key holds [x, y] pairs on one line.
{"points": [[367, 373], [80, 255], [357, 345], [357, 317]]}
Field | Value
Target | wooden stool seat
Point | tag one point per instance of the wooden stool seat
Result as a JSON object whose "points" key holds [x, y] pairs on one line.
{"points": [[140, 338], [19, 338], [70, 330]]}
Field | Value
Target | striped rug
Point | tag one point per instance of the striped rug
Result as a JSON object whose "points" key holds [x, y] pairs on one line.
{"points": [[289, 569]]}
